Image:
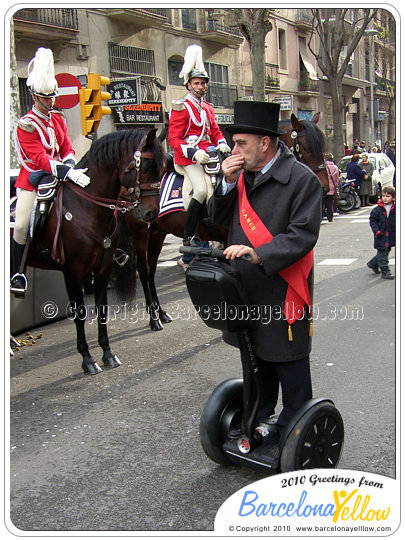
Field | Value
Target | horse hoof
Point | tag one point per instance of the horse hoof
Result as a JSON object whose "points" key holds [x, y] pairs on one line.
{"points": [[165, 317], [155, 324], [92, 369], [111, 361]]}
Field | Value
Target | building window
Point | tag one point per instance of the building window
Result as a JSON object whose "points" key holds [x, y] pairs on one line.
{"points": [[131, 60], [25, 96], [188, 19], [174, 67], [220, 92], [282, 49]]}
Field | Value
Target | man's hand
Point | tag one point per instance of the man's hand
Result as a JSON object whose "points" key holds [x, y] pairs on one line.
{"points": [[79, 177], [201, 157], [235, 251], [231, 165], [223, 148]]}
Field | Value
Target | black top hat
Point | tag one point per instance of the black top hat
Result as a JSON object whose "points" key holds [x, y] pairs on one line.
{"points": [[258, 117]]}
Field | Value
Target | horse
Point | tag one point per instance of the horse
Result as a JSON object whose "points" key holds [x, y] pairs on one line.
{"points": [[80, 233], [308, 144]]}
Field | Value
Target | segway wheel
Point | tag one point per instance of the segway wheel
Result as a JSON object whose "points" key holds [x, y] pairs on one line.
{"points": [[316, 441], [221, 416]]}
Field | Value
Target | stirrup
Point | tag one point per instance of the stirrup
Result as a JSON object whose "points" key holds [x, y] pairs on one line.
{"points": [[120, 257], [18, 284], [195, 240]]}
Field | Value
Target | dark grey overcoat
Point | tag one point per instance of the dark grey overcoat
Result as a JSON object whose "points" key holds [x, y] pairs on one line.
{"points": [[288, 200]]}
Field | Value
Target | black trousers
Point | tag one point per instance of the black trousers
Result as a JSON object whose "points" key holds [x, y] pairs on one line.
{"points": [[295, 380]]}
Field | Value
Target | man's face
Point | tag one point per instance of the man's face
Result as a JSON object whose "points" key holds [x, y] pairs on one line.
{"points": [[197, 86], [44, 104], [250, 146]]}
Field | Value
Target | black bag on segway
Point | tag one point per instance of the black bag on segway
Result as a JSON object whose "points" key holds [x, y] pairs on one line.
{"points": [[217, 293]]}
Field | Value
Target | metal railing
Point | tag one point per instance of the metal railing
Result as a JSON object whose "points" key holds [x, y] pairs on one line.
{"points": [[61, 17], [214, 26], [222, 95]]}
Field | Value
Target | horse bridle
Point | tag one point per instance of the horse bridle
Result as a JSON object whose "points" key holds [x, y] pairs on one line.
{"points": [[296, 149], [140, 190]]}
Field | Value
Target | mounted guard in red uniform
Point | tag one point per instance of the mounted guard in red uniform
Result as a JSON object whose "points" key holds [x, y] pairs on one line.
{"points": [[192, 129], [43, 146]]}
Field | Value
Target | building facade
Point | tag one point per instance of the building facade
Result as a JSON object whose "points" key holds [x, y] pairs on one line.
{"points": [[141, 51]]}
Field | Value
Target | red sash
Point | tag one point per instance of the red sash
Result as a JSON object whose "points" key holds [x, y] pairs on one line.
{"points": [[296, 275]]}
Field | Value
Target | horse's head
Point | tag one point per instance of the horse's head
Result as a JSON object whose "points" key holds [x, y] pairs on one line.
{"points": [[308, 144], [141, 176]]}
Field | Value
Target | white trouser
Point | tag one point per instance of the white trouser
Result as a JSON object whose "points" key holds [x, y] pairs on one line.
{"points": [[197, 183], [23, 210]]}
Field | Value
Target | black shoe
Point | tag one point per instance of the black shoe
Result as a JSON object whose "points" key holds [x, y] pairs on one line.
{"points": [[388, 275], [18, 284], [373, 267]]}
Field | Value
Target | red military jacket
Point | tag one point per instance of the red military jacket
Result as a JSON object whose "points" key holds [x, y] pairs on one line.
{"points": [[192, 125], [42, 142]]}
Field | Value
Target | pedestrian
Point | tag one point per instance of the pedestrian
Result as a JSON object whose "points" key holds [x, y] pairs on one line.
{"points": [[332, 197], [272, 206], [192, 129], [391, 154], [42, 144], [382, 223], [354, 172], [366, 182], [347, 150]]}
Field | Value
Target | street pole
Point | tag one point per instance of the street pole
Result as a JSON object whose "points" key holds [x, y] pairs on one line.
{"points": [[371, 33]]}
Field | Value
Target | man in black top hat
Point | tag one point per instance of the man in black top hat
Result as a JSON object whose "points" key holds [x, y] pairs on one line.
{"points": [[271, 204]]}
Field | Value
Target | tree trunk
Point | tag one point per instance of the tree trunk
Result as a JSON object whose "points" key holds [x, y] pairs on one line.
{"points": [[337, 109], [257, 61]]}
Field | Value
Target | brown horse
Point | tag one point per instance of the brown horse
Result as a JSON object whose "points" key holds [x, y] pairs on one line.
{"points": [[85, 223], [308, 144]]}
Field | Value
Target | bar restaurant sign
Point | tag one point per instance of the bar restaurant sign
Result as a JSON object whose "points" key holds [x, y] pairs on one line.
{"points": [[127, 107], [148, 112]]}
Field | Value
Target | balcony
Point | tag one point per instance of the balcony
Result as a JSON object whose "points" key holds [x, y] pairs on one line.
{"points": [[222, 95], [47, 23], [272, 80], [303, 19], [221, 33], [144, 18]]}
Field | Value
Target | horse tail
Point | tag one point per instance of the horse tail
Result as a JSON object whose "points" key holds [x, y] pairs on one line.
{"points": [[124, 275]]}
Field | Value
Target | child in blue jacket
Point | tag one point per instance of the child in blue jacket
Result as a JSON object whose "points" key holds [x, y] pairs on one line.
{"points": [[382, 223]]}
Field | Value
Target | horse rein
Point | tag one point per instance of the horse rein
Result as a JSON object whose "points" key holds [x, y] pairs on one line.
{"points": [[126, 203]]}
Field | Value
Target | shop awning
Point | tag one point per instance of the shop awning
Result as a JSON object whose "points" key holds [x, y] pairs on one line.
{"points": [[307, 62]]}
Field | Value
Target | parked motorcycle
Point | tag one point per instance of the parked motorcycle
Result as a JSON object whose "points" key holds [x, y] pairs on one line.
{"points": [[348, 197]]}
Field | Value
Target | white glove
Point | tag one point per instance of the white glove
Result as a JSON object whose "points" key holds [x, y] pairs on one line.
{"points": [[223, 148], [201, 157], [78, 177]]}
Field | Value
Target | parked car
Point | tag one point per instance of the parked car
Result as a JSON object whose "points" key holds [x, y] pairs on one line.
{"points": [[383, 174]]}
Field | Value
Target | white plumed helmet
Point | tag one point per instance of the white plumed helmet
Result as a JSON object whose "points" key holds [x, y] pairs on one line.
{"points": [[41, 74], [193, 64]]}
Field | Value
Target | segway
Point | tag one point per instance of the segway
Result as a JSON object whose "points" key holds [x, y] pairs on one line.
{"points": [[230, 432]]}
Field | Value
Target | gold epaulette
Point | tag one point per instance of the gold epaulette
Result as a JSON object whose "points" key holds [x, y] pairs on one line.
{"points": [[26, 124], [178, 104]]}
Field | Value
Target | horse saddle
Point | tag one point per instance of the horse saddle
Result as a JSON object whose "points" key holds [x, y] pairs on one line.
{"points": [[46, 185]]}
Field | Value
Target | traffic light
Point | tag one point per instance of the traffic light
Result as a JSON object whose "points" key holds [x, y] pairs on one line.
{"points": [[91, 107]]}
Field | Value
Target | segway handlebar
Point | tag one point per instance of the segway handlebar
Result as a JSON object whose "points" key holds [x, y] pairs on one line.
{"points": [[209, 252]]}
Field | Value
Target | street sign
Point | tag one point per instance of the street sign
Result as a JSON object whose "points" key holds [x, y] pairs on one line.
{"points": [[68, 89]]}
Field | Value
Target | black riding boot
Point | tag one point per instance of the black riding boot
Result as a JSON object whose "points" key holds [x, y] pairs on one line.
{"points": [[18, 283], [192, 222]]}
